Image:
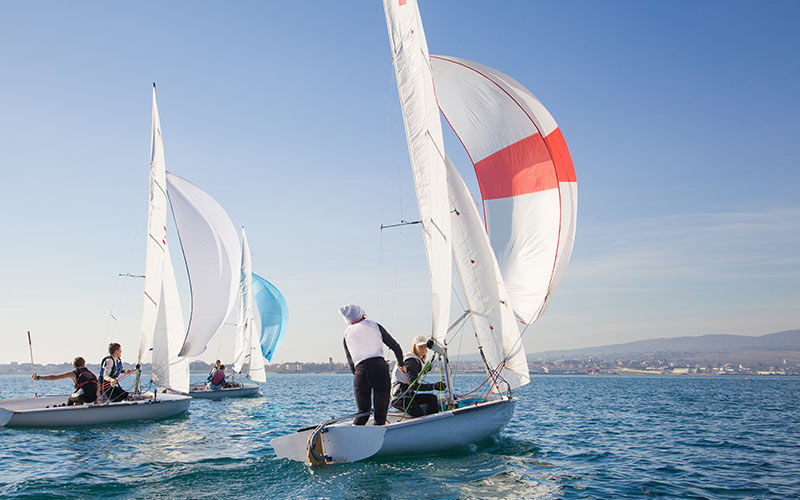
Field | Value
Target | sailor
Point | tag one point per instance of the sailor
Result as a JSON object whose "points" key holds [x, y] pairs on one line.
{"points": [[216, 379], [363, 346], [85, 382], [110, 370], [406, 386]]}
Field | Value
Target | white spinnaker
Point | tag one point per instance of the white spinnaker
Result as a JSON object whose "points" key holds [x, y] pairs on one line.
{"points": [[156, 236], [525, 173], [491, 314], [169, 370], [247, 345], [211, 250], [425, 148]]}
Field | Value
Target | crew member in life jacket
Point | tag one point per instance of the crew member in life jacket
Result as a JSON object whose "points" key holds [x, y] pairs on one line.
{"points": [[216, 379], [85, 382], [363, 346], [110, 370], [406, 388]]}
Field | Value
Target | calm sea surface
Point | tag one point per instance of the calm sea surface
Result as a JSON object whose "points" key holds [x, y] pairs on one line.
{"points": [[571, 436]]}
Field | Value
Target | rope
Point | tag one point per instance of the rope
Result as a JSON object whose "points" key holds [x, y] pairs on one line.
{"points": [[110, 386], [422, 373]]}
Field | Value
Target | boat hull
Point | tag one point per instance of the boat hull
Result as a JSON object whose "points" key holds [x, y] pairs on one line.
{"points": [[344, 442], [42, 412], [447, 430], [235, 392]]}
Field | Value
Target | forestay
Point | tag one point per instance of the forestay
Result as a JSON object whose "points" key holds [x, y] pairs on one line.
{"points": [[525, 173], [489, 310], [247, 356], [274, 315], [425, 147], [211, 250]]}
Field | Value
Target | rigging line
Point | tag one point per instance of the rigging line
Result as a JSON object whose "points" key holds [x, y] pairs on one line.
{"points": [[124, 285], [453, 375], [380, 267], [394, 299], [457, 297], [455, 333]]}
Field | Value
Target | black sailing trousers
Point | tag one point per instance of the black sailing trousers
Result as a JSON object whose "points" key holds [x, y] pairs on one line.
{"points": [[411, 405], [371, 385]]}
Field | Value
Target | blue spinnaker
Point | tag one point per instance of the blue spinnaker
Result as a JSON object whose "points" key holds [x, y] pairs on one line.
{"points": [[274, 315]]}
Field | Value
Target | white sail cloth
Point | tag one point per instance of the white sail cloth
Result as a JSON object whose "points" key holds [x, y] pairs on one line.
{"points": [[247, 357], [425, 147], [162, 329], [525, 174], [211, 250], [489, 309]]}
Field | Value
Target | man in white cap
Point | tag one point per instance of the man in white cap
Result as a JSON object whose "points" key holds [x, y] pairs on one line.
{"points": [[363, 346], [407, 386]]}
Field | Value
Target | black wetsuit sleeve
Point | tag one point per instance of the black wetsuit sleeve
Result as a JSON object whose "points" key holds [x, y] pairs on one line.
{"points": [[349, 358], [413, 368], [391, 344]]}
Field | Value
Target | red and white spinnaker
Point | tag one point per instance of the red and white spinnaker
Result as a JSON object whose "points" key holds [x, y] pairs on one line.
{"points": [[524, 171]]}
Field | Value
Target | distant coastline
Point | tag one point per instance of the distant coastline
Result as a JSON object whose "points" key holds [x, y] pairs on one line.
{"points": [[718, 354]]}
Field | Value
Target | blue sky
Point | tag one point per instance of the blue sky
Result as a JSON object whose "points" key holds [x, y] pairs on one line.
{"points": [[681, 118]]}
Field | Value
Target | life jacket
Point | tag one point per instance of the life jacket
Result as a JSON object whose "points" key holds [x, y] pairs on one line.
{"points": [[401, 377], [364, 341], [400, 380], [218, 377], [84, 379], [115, 371]]}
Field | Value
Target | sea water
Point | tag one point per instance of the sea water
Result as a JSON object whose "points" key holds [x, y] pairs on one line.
{"points": [[570, 437]]}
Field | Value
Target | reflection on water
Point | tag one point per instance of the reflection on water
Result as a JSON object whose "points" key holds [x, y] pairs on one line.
{"points": [[606, 437]]}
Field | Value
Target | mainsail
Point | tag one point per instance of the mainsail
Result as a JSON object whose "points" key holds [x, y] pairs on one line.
{"points": [[211, 250], [162, 321], [525, 173], [274, 315], [247, 357], [489, 309], [425, 148]]}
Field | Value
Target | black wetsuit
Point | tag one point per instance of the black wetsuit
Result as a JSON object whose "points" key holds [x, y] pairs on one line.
{"points": [[371, 381], [410, 400], [84, 379]]}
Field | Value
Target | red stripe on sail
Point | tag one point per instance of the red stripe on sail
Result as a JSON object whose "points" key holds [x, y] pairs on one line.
{"points": [[565, 170], [521, 168]]}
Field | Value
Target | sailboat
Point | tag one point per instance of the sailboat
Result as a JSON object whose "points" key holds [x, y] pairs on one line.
{"points": [[260, 328], [509, 263], [162, 332]]}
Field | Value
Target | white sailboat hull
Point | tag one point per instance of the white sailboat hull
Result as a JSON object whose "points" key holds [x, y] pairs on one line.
{"points": [[44, 412], [443, 431], [200, 391]]}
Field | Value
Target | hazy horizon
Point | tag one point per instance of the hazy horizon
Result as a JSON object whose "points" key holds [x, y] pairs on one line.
{"points": [[680, 118]]}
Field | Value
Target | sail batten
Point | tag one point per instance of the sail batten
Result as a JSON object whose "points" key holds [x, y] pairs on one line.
{"points": [[162, 328], [425, 146]]}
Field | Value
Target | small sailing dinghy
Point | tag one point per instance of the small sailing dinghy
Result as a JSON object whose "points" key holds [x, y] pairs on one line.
{"points": [[508, 271], [162, 333], [260, 328]]}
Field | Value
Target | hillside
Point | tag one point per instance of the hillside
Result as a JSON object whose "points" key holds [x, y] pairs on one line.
{"points": [[773, 347]]}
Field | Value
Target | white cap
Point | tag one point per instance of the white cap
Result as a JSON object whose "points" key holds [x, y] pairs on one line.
{"points": [[420, 340], [352, 313]]}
